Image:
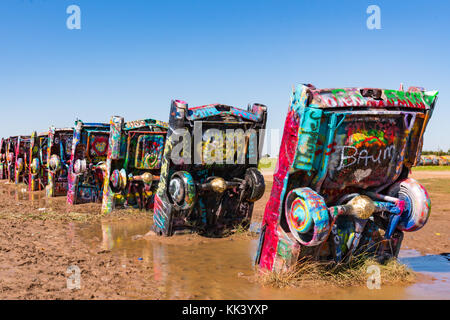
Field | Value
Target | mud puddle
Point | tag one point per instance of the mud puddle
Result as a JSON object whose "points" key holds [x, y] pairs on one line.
{"points": [[436, 268], [20, 192], [192, 267]]}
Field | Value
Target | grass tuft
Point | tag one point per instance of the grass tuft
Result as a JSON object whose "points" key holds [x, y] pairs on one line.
{"points": [[309, 273]]}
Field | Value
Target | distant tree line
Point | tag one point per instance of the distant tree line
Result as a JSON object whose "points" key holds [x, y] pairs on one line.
{"points": [[436, 153]]}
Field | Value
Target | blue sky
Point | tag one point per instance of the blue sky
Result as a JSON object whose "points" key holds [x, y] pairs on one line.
{"points": [[132, 57]]}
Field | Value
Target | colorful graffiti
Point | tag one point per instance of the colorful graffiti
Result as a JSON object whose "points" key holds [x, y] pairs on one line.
{"points": [[3, 158], [133, 163], [87, 168], [212, 189], [58, 154], [340, 149], [98, 146], [149, 150], [434, 160], [371, 97], [10, 157], [22, 154], [227, 147], [37, 172]]}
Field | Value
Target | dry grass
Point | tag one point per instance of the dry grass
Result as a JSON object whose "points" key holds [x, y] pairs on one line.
{"points": [[308, 273], [241, 232], [17, 203], [48, 214], [436, 186], [431, 168], [301, 275]]}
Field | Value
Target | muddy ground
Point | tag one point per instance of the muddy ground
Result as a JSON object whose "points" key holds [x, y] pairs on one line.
{"points": [[37, 246], [40, 239]]}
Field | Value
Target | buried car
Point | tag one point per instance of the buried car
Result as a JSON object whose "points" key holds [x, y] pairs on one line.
{"points": [[133, 163], [341, 185], [426, 160], [37, 166], [3, 162], [205, 187], [11, 143], [21, 159], [87, 162], [59, 150], [443, 161]]}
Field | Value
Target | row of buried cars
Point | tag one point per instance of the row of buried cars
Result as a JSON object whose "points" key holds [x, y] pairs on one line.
{"points": [[341, 184], [130, 164], [434, 160]]}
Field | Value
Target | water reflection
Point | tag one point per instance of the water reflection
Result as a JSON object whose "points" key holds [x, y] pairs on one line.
{"points": [[193, 268], [20, 193], [107, 239], [436, 267]]}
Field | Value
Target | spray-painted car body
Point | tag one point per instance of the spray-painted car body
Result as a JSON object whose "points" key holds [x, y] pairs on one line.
{"points": [[3, 162], [447, 160], [37, 166], [11, 143], [444, 161], [425, 161], [87, 163], [341, 180], [21, 155], [57, 160], [202, 187], [133, 164], [432, 160], [428, 160]]}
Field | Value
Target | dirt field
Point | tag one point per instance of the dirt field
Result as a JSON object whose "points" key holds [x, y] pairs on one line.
{"points": [[434, 237], [40, 239], [37, 246]]}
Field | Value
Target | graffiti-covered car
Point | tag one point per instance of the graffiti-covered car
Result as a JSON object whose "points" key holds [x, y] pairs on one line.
{"points": [[426, 160], [11, 143], [87, 163], [209, 178], [3, 162], [341, 185], [59, 151], [443, 161], [435, 160], [21, 161], [446, 160], [37, 166], [133, 163]]}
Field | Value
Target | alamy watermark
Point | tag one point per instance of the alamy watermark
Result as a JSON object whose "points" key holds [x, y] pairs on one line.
{"points": [[220, 146], [74, 20], [374, 280], [74, 279], [374, 20]]}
